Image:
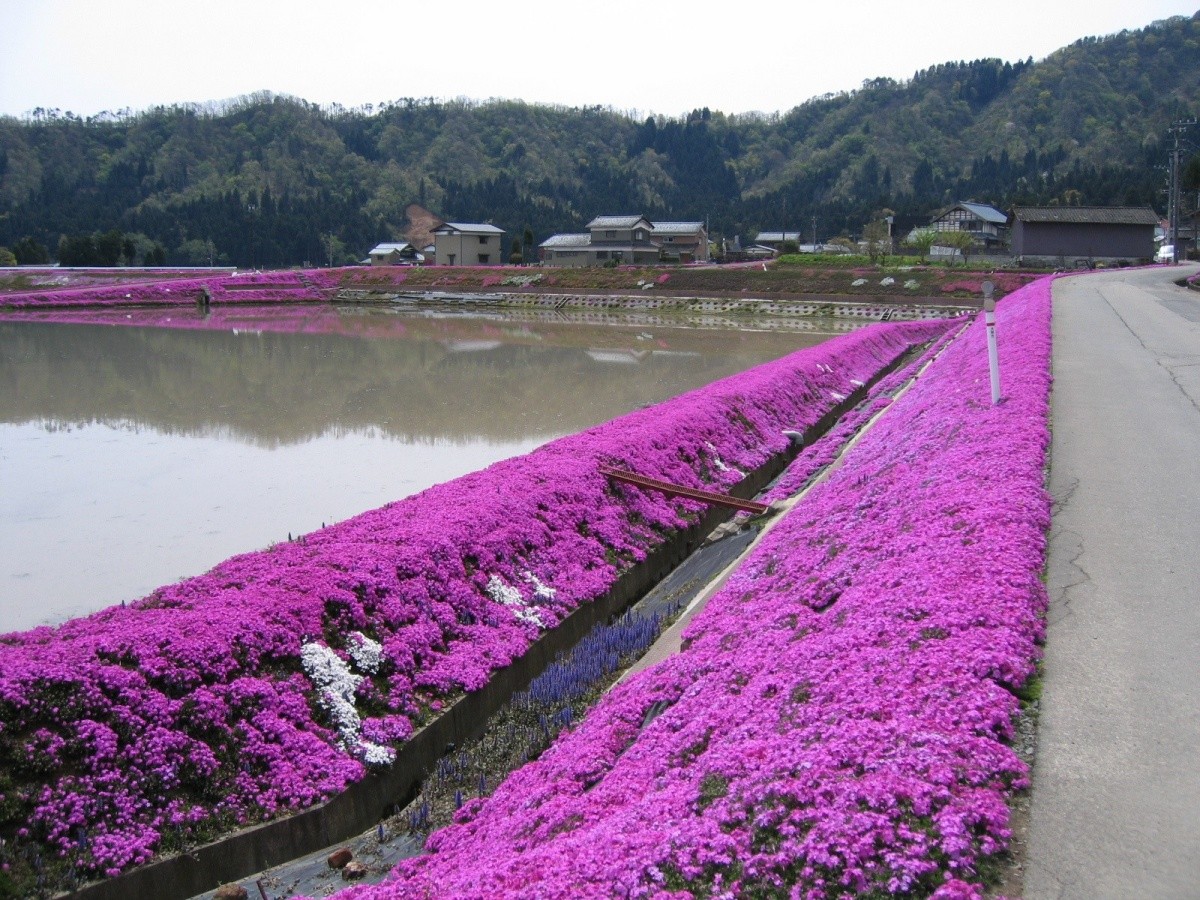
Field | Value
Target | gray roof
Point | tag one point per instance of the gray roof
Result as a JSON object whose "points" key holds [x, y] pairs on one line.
{"points": [[1087, 215], [468, 228], [389, 247], [981, 210], [778, 236], [618, 221], [638, 249], [661, 228], [567, 240]]}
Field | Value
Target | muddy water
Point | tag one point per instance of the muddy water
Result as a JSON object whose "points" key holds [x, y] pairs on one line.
{"points": [[136, 455]]}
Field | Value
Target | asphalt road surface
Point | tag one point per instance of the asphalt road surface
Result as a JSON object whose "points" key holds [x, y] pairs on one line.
{"points": [[1116, 797]]}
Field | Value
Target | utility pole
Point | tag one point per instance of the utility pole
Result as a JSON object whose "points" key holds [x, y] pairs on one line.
{"points": [[1178, 127]]}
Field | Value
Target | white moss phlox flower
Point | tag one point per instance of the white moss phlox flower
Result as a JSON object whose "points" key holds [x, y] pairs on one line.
{"points": [[336, 685], [509, 596], [541, 591], [375, 754], [720, 464], [366, 653]]}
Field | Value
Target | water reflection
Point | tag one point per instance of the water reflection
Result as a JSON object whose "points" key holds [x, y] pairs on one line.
{"points": [[132, 456]]}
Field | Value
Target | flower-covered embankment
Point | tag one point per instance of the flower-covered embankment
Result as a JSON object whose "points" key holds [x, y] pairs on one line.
{"points": [[836, 723], [251, 287], [271, 682]]}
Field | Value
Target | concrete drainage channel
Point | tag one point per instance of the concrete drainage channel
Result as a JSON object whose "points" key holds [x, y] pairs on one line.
{"points": [[374, 816], [669, 606], [377, 851]]}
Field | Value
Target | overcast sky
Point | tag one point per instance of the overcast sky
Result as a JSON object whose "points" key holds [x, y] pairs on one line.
{"points": [[85, 56]]}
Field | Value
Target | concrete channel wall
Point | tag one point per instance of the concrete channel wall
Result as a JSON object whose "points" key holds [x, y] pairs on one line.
{"points": [[365, 803], [813, 306]]}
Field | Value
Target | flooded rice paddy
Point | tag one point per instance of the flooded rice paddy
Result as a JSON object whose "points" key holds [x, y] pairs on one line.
{"points": [[138, 448]]}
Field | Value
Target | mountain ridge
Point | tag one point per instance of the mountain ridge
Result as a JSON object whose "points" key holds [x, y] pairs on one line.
{"points": [[266, 179]]}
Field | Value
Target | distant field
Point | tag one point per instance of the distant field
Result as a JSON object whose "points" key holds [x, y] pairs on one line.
{"points": [[754, 278], [780, 279]]}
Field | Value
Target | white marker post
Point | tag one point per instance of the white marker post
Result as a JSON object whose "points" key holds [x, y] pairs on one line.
{"points": [[989, 319]]}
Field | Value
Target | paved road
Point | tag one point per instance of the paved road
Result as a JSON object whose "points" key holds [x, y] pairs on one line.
{"points": [[1116, 798]]}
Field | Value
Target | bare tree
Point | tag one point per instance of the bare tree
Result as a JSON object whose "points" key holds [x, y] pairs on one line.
{"points": [[877, 239]]}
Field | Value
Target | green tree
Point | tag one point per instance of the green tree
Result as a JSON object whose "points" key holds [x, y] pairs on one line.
{"points": [[922, 240], [7, 258], [196, 252], [515, 256], [1189, 178], [109, 246], [30, 253], [137, 247], [156, 256], [962, 241], [78, 250]]}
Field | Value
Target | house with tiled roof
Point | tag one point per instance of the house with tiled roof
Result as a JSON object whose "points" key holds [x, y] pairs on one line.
{"points": [[396, 253], [468, 244], [1075, 235], [626, 240], [986, 224], [773, 239], [681, 241], [566, 250]]}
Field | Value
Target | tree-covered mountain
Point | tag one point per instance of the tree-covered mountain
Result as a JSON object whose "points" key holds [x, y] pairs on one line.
{"points": [[267, 180]]}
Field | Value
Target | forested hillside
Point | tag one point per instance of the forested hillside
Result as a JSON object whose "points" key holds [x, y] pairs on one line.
{"points": [[268, 180]]}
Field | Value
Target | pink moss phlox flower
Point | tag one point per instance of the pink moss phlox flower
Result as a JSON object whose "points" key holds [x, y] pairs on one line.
{"points": [[193, 710], [251, 287], [837, 721]]}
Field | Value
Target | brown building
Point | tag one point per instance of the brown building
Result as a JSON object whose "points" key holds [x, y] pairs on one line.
{"points": [[682, 242], [1083, 235]]}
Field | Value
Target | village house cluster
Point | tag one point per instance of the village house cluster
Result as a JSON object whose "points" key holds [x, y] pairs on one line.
{"points": [[1072, 236], [454, 244], [630, 240], [1041, 236]]}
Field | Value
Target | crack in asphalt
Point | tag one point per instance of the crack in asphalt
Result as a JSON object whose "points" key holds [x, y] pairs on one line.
{"points": [[1069, 574], [1060, 503], [1064, 550]]}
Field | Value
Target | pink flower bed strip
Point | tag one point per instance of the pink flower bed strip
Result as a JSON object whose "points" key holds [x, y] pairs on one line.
{"points": [[275, 680], [837, 722], [258, 287]]}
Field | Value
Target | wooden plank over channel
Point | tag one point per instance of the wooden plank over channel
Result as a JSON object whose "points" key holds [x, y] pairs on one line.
{"points": [[678, 490]]}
